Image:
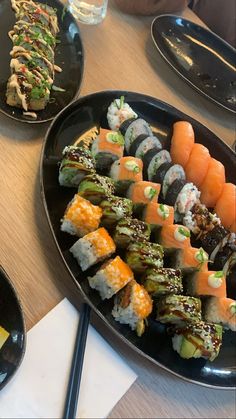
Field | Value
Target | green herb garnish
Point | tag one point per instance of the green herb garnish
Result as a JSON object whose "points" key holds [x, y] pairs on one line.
{"points": [[122, 101], [219, 274], [152, 193], [184, 232]]}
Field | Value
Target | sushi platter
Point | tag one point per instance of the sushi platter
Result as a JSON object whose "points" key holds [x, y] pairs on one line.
{"points": [[38, 40], [140, 199]]}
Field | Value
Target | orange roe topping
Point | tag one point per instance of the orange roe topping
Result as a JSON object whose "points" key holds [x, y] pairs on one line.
{"points": [[141, 300], [119, 273], [102, 242], [83, 215]]}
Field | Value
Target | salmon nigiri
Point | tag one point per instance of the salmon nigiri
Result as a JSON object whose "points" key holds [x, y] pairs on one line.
{"points": [[226, 205], [213, 183], [182, 142], [233, 227], [197, 165]]}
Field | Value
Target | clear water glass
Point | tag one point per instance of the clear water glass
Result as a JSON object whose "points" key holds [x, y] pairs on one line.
{"points": [[90, 12]]}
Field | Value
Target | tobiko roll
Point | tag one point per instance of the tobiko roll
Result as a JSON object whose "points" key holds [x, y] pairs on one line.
{"points": [[93, 248], [178, 309], [76, 163], [111, 277], [162, 281], [143, 255]]}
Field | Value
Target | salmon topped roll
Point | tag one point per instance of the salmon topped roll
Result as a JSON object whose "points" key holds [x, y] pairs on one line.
{"points": [[212, 185], [143, 192], [81, 217], [132, 306], [190, 259], [173, 236], [93, 248], [111, 277], [182, 142], [107, 147], [208, 283], [158, 214], [197, 165], [225, 206], [127, 168], [221, 310]]}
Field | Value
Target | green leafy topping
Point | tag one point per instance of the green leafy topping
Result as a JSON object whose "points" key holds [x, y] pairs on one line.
{"points": [[116, 138], [57, 89], [136, 169], [152, 192], [184, 232], [165, 211], [122, 101], [201, 255], [219, 274], [19, 40]]}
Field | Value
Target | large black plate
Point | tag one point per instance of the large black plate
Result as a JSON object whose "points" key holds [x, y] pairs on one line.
{"points": [[199, 56], [11, 318], [76, 119], [69, 56]]}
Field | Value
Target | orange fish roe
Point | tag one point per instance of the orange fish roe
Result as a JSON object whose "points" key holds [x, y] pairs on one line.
{"points": [[141, 300], [102, 242], [83, 215], [119, 273]]}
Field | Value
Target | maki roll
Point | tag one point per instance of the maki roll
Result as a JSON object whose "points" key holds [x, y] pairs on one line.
{"points": [[126, 171], [95, 188], [221, 310], [186, 199], [158, 214], [93, 248], [111, 277], [173, 237], [208, 283], [173, 191], [118, 112], [133, 129], [200, 220], [81, 217], [141, 256], [198, 340], [4, 335], [143, 192], [132, 306], [115, 209], [215, 240], [129, 230], [162, 281], [166, 174], [152, 160], [178, 309], [142, 144], [76, 163], [190, 259], [107, 147]]}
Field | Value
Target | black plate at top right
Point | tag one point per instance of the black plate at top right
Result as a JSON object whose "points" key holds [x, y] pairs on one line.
{"points": [[199, 56]]}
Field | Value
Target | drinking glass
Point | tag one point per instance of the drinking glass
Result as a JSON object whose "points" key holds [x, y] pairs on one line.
{"points": [[89, 11]]}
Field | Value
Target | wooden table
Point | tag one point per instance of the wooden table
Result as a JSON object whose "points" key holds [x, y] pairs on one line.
{"points": [[119, 55]]}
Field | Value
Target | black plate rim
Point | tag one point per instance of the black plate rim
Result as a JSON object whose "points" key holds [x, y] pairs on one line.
{"points": [[175, 68], [28, 121], [20, 308], [87, 300]]}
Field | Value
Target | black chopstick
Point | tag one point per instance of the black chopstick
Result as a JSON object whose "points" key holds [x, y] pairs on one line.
{"points": [[77, 364]]}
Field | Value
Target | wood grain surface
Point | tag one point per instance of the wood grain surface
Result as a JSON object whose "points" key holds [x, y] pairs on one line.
{"points": [[119, 55]]}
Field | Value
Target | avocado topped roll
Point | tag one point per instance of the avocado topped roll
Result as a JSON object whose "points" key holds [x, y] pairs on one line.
{"points": [[163, 281], [76, 163], [178, 309], [114, 209], [95, 188], [141, 256], [131, 230], [198, 340]]}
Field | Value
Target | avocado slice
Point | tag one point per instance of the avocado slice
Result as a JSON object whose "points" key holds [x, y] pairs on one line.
{"points": [[187, 349]]}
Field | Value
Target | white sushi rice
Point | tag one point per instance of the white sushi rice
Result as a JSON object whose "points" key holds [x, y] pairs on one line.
{"points": [[161, 157], [175, 172], [84, 253], [99, 282], [68, 227], [115, 170], [125, 315], [187, 198], [212, 315], [147, 144], [117, 114], [136, 128]]}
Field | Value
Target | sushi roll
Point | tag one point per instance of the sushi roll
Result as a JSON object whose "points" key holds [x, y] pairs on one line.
{"points": [[4, 335], [141, 256], [152, 160], [212, 185], [129, 230], [132, 306], [221, 311], [125, 171], [93, 248], [208, 283], [182, 142], [190, 259], [166, 174], [178, 309], [95, 188], [76, 163], [143, 192], [162, 281], [214, 240], [225, 206], [118, 112], [197, 165], [111, 277], [142, 144], [115, 209], [173, 237], [133, 129], [107, 147], [158, 214], [200, 220], [198, 340], [186, 199], [173, 191], [81, 217]]}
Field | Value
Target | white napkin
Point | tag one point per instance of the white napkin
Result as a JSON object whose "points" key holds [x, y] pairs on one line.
{"points": [[38, 389]]}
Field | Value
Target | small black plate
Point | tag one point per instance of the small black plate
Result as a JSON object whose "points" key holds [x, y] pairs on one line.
{"points": [[199, 56], [11, 319], [79, 117], [69, 55]]}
